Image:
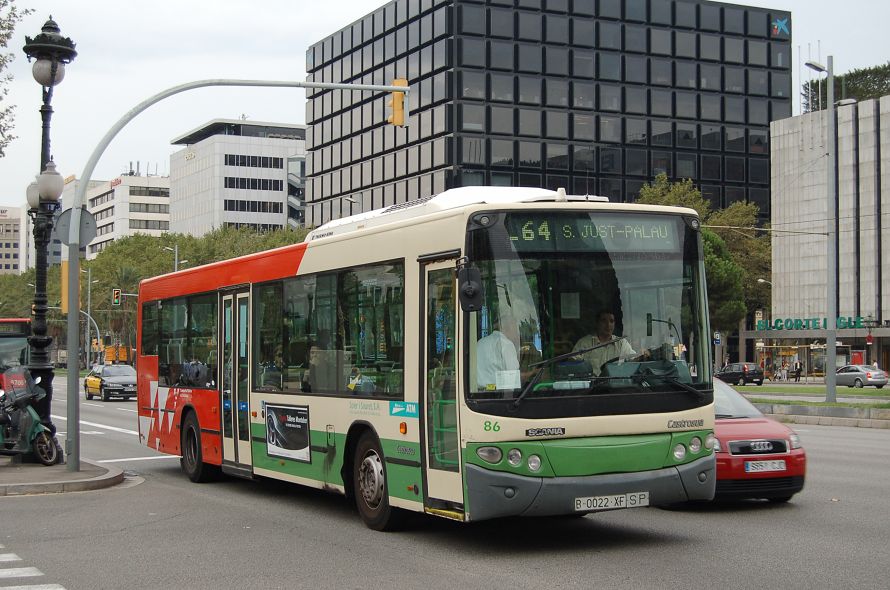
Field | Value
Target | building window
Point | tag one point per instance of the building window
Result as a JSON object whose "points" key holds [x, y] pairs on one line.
{"points": [[610, 129], [247, 161], [149, 224], [266, 184]]}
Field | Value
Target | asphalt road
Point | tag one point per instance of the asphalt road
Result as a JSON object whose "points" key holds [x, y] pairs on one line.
{"points": [[158, 530]]}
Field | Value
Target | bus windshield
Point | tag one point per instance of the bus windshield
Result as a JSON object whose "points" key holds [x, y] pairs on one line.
{"points": [[13, 352], [587, 313]]}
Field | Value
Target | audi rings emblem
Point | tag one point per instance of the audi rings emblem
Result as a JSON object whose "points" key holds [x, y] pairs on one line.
{"points": [[761, 446]]}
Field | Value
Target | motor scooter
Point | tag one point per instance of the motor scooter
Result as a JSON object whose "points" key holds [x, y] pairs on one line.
{"points": [[21, 430]]}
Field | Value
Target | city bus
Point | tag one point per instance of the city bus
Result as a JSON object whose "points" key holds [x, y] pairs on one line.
{"points": [[355, 361]]}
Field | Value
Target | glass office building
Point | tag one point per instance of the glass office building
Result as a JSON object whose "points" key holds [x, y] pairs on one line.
{"points": [[597, 96]]}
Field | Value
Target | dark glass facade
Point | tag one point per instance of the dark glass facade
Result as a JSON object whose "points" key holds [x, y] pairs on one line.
{"points": [[597, 96]]}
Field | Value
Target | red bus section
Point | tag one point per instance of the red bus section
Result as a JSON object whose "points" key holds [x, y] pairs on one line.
{"points": [[161, 407]]}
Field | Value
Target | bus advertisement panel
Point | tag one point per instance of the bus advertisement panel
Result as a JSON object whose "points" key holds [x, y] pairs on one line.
{"points": [[485, 352]]}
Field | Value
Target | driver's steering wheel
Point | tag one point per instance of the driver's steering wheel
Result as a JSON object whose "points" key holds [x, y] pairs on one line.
{"points": [[611, 360]]}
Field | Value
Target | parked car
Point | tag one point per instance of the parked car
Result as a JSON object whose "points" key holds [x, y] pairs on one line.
{"points": [[741, 373], [861, 376], [757, 457], [107, 381]]}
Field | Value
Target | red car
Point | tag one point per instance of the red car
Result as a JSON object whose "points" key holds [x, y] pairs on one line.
{"points": [[757, 457]]}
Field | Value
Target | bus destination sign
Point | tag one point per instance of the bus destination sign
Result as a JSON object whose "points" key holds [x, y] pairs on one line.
{"points": [[592, 232]]}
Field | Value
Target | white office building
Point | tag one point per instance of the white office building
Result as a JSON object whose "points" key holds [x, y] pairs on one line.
{"points": [[799, 157], [238, 173], [10, 240], [128, 205]]}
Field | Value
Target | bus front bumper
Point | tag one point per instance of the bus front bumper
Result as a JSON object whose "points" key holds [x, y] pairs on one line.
{"points": [[494, 494]]}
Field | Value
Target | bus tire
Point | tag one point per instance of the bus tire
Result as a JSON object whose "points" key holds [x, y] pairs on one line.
{"points": [[192, 460], [370, 488]]}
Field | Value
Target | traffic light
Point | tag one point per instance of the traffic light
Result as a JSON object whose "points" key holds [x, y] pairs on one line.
{"points": [[397, 104], [115, 297]]}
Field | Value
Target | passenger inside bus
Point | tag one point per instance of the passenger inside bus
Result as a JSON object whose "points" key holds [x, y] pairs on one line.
{"points": [[497, 355]]}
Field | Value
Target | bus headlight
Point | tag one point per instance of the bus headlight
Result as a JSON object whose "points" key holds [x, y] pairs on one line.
{"points": [[695, 444], [534, 463], [490, 454], [679, 451], [514, 457], [711, 441]]}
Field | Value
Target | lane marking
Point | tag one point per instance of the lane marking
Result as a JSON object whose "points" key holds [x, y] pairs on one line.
{"points": [[92, 405], [127, 410], [35, 587], [19, 572], [139, 459], [97, 425], [7, 557]]}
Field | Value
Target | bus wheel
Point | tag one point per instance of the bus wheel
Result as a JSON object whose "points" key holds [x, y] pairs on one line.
{"points": [[369, 486], [192, 461]]}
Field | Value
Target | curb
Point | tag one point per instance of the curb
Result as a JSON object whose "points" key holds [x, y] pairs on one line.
{"points": [[830, 421], [112, 476], [827, 415]]}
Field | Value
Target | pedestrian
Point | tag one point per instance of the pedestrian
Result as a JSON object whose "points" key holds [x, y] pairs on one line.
{"points": [[798, 368], [875, 364], [784, 374]]}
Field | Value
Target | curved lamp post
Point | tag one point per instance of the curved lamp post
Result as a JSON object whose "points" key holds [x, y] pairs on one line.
{"points": [[50, 52]]}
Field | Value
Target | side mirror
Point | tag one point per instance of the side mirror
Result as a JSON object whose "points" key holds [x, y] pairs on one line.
{"points": [[469, 288], [648, 324]]}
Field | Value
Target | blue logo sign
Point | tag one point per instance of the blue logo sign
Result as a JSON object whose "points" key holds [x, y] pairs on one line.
{"points": [[780, 27], [242, 406], [406, 409], [227, 404]]}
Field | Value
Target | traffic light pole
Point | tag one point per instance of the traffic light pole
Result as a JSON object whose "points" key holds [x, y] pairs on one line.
{"points": [[73, 429]]}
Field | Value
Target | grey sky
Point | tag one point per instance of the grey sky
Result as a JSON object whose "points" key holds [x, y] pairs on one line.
{"points": [[128, 51]]}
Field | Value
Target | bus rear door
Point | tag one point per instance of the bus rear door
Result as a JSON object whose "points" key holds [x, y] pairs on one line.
{"points": [[235, 335]]}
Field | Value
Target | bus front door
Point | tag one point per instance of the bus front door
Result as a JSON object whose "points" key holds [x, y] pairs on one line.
{"points": [[442, 462], [235, 403]]}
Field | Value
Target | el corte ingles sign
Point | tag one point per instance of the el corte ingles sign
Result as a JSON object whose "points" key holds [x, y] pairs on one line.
{"points": [[809, 323]]}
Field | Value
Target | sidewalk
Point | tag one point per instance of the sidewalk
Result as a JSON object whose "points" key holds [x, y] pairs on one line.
{"points": [[17, 479]]}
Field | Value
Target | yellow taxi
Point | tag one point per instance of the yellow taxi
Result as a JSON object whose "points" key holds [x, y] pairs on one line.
{"points": [[107, 381]]}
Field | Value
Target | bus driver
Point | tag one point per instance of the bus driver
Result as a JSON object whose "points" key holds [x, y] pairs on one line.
{"points": [[615, 347]]}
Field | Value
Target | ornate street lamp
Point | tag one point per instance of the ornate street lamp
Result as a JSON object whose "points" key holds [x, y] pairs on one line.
{"points": [[51, 52]]}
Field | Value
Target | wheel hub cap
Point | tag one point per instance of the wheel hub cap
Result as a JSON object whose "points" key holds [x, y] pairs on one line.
{"points": [[371, 479]]}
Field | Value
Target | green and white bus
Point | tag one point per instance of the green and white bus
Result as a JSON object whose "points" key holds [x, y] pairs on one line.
{"points": [[447, 355]]}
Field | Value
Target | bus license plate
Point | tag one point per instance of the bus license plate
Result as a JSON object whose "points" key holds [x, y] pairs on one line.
{"points": [[761, 466], [631, 500]]}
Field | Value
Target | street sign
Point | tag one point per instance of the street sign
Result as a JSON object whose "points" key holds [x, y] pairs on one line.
{"points": [[716, 338], [87, 227]]}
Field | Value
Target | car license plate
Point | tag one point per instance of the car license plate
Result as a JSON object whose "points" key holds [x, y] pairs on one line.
{"points": [[631, 500], [761, 466]]}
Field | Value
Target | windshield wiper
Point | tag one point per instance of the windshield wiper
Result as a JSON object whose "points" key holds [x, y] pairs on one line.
{"points": [[542, 364], [674, 381]]}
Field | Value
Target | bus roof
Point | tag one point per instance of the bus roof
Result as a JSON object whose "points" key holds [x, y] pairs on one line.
{"points": [[250, 268], [451, 199]]}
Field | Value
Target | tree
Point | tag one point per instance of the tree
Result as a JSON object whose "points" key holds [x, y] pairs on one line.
{"points": [[724, 279], [861, 84], [750, 248], [730, 270], [681, 193], [10, 15]]}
